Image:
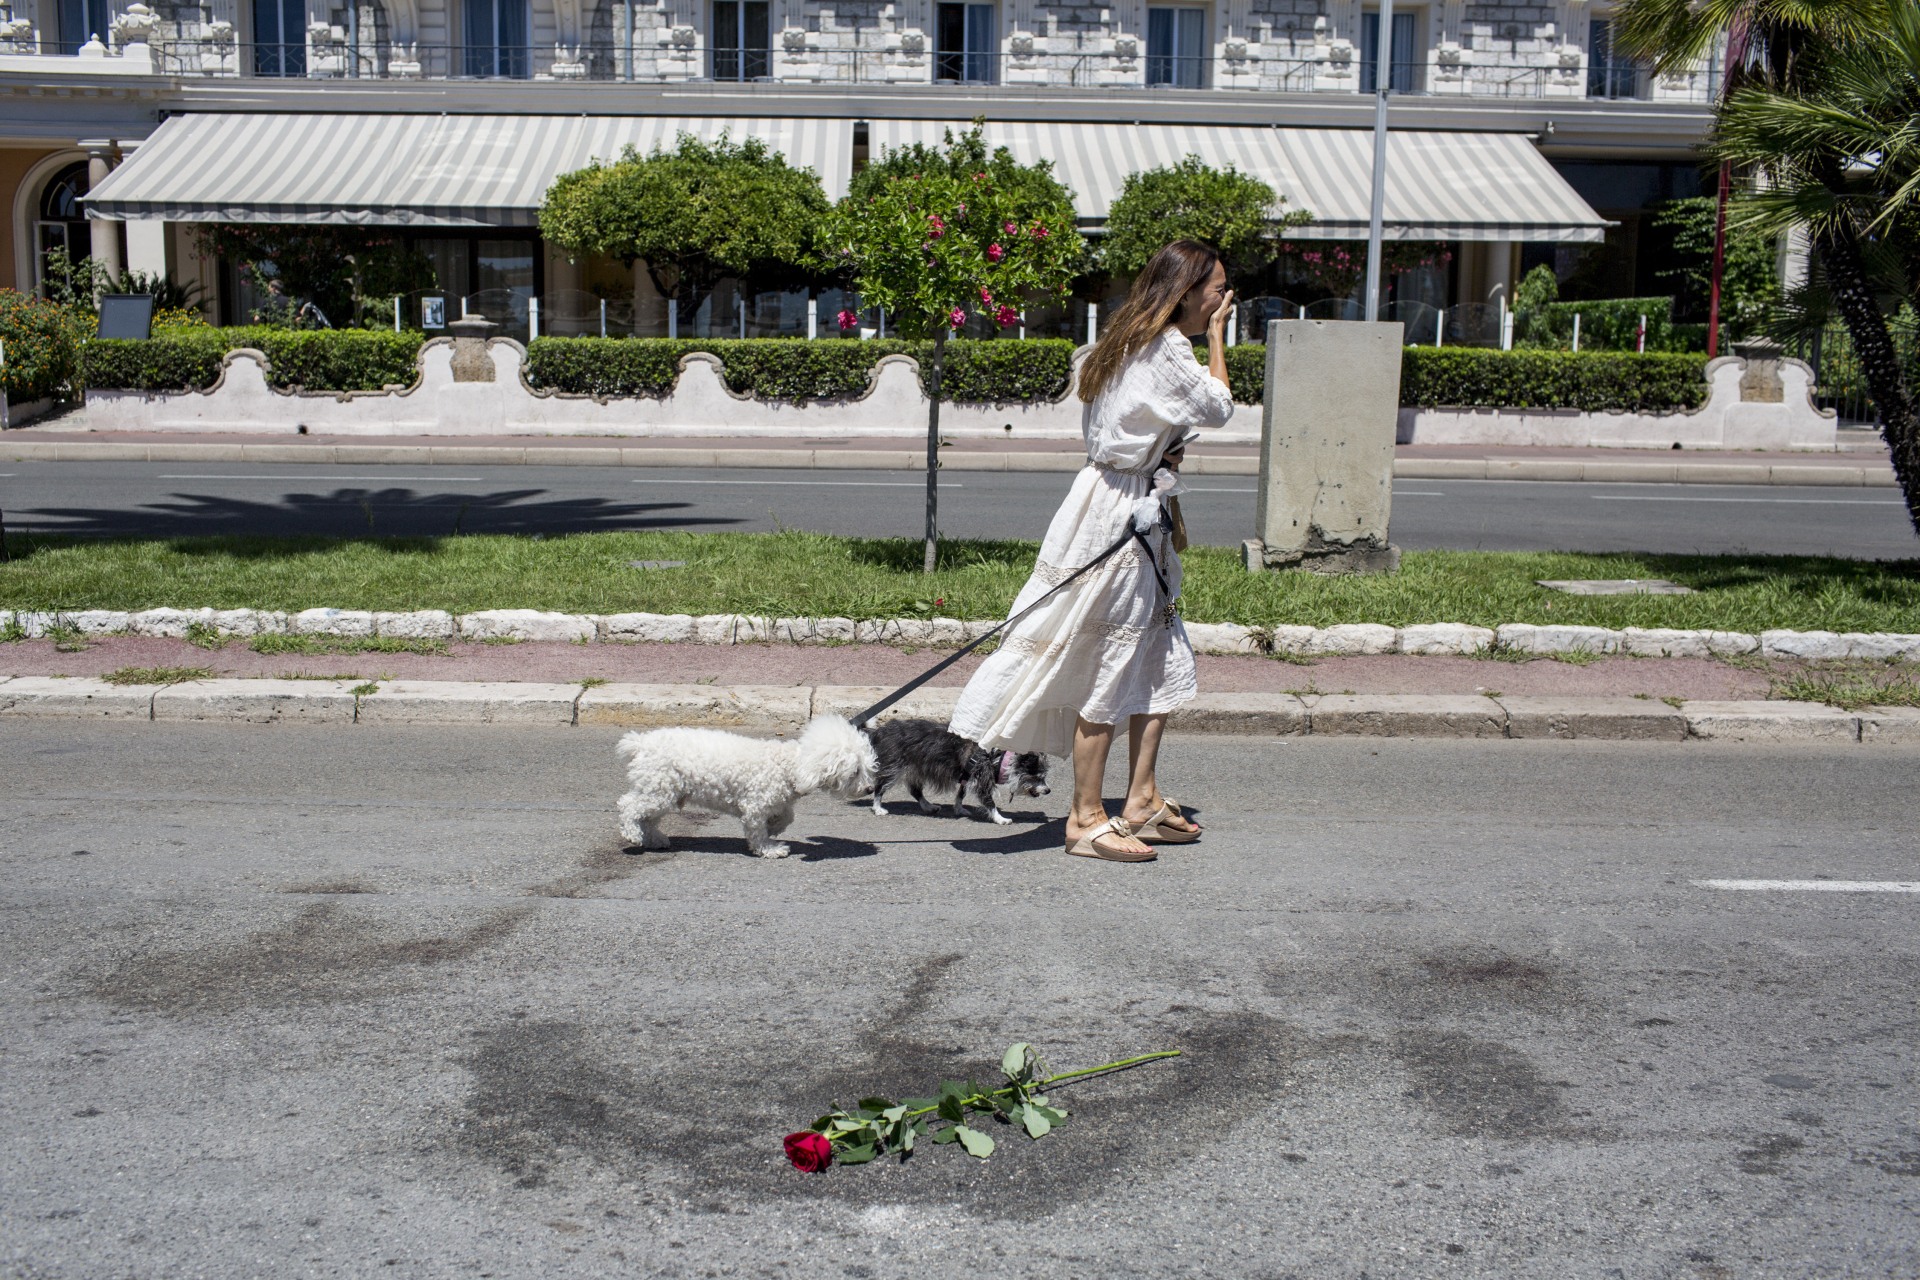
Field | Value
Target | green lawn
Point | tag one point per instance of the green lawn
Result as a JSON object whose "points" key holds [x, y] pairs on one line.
{"points": [[800, 574]]}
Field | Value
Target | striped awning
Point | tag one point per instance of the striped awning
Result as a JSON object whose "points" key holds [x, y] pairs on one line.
{"points": [[409, 170], [1440, 186]]}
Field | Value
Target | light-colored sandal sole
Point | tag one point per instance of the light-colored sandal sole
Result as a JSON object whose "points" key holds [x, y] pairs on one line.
{"points": [[1165, 835], [1086, 849]]}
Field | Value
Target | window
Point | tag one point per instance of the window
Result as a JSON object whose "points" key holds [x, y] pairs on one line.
{"points": [[62, 223], [741, 47], [279, 37], [497, 39], [1177, 47], [1402, 53], [79, 20], [968, 44], [1610, 74]]}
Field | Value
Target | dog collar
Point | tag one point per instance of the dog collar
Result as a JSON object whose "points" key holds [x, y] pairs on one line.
{"points": [[1006, 767]]}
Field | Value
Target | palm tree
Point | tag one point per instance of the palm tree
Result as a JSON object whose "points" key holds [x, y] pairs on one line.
{"points": [[1819, 112]]}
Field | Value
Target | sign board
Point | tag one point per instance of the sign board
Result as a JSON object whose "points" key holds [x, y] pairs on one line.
{"points": [[126, 315]]}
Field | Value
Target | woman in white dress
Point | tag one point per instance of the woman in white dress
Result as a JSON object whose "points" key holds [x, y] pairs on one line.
{"points": [[1109, 648]]}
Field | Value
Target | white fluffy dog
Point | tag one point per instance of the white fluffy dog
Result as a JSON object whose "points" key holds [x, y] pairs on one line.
{"points": [[755, 779]]}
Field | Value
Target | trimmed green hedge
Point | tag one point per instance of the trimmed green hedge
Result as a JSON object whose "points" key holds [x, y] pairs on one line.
{"points": [[1606, 324], [309, 359], [1600, 381], [784, 369]]}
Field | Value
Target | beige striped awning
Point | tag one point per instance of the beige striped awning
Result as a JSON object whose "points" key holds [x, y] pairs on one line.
{"points": [[409, 170], [1440, 186]]}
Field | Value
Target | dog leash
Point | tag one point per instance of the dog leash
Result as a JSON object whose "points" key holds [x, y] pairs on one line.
{"points": [[1131, 535]]}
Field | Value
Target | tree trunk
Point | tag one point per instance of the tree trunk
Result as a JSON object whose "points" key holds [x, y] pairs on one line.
{"points": [[933, 448], [1847, 284]]}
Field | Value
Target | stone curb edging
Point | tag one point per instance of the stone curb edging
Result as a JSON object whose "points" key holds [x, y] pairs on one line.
{"points": [[1756, 473], [783, 710], [1344, 639]]}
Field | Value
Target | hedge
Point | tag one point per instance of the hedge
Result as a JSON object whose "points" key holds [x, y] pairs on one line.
{"points": [[310, 359], [1600, 381], [42, 346], [784, 369]]}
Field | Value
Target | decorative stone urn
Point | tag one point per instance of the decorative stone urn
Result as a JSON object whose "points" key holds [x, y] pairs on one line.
{"points": [[134, 25], [471, 363], [1760, 381]]}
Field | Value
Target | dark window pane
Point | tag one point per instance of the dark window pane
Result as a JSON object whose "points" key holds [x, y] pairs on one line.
{"points": [[950, 42]]}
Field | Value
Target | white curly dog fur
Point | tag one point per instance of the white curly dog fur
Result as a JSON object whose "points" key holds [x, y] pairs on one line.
{"points": [[755, 779]]}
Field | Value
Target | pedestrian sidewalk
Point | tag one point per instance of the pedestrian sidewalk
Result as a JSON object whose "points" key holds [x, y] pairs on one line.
{"points": [[66, 439], [777, 688]]}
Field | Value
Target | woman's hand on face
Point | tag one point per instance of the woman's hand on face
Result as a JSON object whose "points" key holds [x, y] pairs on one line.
{"points": [[1217, 323]]}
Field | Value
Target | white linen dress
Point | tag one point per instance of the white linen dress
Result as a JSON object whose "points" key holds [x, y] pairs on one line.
{"points": [[1100, 649]]}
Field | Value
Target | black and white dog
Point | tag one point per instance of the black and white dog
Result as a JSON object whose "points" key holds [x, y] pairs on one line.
{"points": [[923, 755]]}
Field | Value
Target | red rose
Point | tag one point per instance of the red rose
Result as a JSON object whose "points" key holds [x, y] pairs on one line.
{"points": [[810, 1152]]}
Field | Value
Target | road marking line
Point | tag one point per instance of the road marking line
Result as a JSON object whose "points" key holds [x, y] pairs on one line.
{"points": [[1790, 502], [473, 479], [1819, 886], [821, 484]]}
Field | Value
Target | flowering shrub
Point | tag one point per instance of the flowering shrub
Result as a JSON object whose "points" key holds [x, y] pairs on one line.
{"points": [[42, 345], [1340, 266]]}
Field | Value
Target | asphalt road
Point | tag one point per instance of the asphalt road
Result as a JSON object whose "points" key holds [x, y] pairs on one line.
{"points": [[291, 1002], [173, 499]]}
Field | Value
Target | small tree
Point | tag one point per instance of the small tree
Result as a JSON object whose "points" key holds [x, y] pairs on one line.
{"points": [[337, 269], [1750, 280], [694, 216], [1236, 213], [934, 245]]}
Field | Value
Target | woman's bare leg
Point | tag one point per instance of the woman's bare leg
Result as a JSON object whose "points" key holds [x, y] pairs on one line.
{"points": [[1091, 744], [1143, 754]]}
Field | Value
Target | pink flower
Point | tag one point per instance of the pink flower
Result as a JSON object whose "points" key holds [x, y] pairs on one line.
{"points": [[986, 295], [1012, 230], [1006, 316], [995, 253], [962, 213], [849, 320], [1039, 232], [956, 318]]}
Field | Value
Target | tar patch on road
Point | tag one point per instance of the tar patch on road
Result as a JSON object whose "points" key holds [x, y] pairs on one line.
{"points": [[1480, 1088], [604, 866], [323, 954]]}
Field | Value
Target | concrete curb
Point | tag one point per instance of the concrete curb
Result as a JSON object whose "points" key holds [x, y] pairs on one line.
{"points": [[1346, 639], [787, 709], [1201, 464]]}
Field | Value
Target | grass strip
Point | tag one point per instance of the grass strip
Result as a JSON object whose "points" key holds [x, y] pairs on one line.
{"points": [[157, 675], [1849, 686], [792, 574]]}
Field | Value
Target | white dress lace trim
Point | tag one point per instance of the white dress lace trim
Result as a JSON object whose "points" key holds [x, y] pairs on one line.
{"points": [[1100, 649]]}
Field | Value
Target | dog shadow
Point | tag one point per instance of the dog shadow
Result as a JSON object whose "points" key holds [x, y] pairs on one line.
{"points": [[1050, 834], [818, 849]]}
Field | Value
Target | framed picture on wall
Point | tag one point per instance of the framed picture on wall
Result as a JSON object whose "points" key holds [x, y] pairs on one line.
{"points": [[433, 313]]}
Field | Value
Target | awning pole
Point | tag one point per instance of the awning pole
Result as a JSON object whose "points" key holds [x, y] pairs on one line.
{"points": [[1382, 79]]}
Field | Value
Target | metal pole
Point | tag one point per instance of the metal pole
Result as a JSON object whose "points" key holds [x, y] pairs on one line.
{"points": [[1576, 331], [1640, 344], [396, 314], [1382, 78], [603, 317], [533, 318], [1093, 323], [626, 43]]}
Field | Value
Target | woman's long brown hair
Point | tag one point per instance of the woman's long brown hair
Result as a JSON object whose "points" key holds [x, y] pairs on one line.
{"points": [[1148, 310]]}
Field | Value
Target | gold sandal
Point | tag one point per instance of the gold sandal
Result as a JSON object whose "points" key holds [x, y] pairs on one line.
{"points": [[1086, 846], [1155, 831]]}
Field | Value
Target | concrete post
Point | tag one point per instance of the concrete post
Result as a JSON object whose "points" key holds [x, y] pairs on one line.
{"points": [[471, 360], [1326, 447], [104, 232]]}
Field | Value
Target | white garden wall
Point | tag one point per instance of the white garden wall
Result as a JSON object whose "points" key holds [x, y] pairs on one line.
{"points": [[894, 405]]}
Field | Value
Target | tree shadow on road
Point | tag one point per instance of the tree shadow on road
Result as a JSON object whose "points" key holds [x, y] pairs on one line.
{"points": [[350, 512]]}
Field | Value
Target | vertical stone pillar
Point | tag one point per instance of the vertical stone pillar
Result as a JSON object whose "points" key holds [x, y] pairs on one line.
{"points": [[105, 232], [1327, 433]]}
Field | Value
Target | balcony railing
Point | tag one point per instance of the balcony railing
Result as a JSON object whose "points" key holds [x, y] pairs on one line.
{"points": [[1501, 73]]}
